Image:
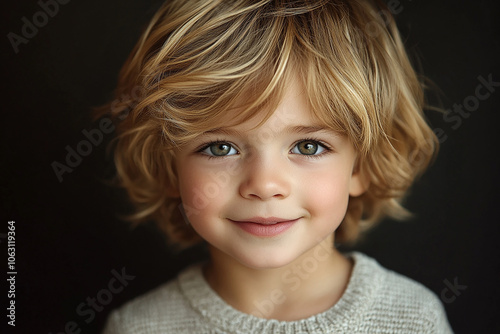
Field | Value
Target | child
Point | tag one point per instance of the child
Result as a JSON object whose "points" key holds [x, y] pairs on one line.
{"points": [[271, 130]]}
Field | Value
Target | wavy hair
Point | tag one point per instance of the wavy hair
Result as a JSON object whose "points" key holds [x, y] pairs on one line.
{"points": [[197, 58]]}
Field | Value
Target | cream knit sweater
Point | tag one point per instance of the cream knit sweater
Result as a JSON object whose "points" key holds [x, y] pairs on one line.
{"points": [[376, 301]]}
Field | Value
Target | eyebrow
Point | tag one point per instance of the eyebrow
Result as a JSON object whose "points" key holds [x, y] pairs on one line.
{"points": [[308, 129], [300, 129]]}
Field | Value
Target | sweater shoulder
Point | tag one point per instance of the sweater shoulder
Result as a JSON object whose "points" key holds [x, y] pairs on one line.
{"points": [[403, 304], [161, 310]]}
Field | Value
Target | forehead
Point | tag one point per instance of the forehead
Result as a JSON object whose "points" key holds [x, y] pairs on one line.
{"points": [[290, 107], [292, 117]]}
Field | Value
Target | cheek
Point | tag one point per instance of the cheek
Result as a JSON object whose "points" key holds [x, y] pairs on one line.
{"points": [[202, 192], [327, 195]]}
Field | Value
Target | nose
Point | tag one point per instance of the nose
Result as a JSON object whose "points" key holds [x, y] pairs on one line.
{"points": [[265, 179]]}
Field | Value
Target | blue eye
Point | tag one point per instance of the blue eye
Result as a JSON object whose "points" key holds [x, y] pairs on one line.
{"points": [[308, 147], [219, 149]]}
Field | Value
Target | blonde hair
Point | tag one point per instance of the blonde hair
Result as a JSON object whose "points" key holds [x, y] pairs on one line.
{"points": [[198, 57]]}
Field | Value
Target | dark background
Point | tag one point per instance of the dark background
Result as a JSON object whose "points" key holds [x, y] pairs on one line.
{"points": [[69, 239]]}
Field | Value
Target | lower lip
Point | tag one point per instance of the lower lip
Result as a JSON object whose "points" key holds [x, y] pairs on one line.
{"points": [[262, 230]]}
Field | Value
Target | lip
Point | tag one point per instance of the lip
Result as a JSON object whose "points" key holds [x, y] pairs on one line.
{"points": [[265, 227]]}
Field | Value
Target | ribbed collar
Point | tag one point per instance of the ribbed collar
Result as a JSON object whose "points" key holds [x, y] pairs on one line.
{"points": [[357, 297]]}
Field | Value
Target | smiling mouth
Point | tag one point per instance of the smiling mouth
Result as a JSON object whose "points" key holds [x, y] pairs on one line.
{"points": [[265, 227], [264, 221]]}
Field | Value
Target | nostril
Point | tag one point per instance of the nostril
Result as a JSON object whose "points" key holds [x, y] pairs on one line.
{"points": [[263, 180]]}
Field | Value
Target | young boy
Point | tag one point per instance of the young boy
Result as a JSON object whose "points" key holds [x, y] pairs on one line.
{"points": [[271, 130]]}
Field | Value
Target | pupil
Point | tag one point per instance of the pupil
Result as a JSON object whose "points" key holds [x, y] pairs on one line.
{"points": [[220, 149], [308, 148]]}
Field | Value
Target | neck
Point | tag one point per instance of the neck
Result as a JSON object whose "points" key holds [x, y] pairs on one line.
{"points": [[309, 285]]}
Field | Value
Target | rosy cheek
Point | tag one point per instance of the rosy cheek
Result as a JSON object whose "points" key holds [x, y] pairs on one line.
{"points": [[328, 194], [201, 192]]}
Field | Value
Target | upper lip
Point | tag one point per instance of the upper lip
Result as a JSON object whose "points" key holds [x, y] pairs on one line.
{"points": [[264, 221]]}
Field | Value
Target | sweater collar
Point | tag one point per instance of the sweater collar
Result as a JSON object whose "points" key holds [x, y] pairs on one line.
{"points": [[356, 298]]}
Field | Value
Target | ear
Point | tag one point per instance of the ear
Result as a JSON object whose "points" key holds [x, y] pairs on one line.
{"points": [[359, 180]]}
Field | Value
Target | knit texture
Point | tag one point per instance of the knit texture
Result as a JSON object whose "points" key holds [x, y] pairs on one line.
{"points": [[376, 300]]}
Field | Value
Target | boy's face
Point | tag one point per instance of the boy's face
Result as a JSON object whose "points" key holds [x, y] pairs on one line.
{"points": [[236, 181]]}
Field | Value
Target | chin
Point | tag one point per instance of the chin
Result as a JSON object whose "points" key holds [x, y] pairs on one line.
{"points": [[266, 261]]}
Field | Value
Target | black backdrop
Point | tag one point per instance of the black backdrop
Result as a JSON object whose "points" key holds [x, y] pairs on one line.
{"points": [[70, 244]]}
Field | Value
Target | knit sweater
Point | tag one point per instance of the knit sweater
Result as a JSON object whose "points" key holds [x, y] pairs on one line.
{"points": [[376, 300]]}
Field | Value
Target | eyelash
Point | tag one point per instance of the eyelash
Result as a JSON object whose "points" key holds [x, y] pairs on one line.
{"points": [[327, 148], [215, 142]]}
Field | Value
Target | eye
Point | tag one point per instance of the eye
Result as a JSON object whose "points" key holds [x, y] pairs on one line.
{"points": [[219, 149], [308, 147]]}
